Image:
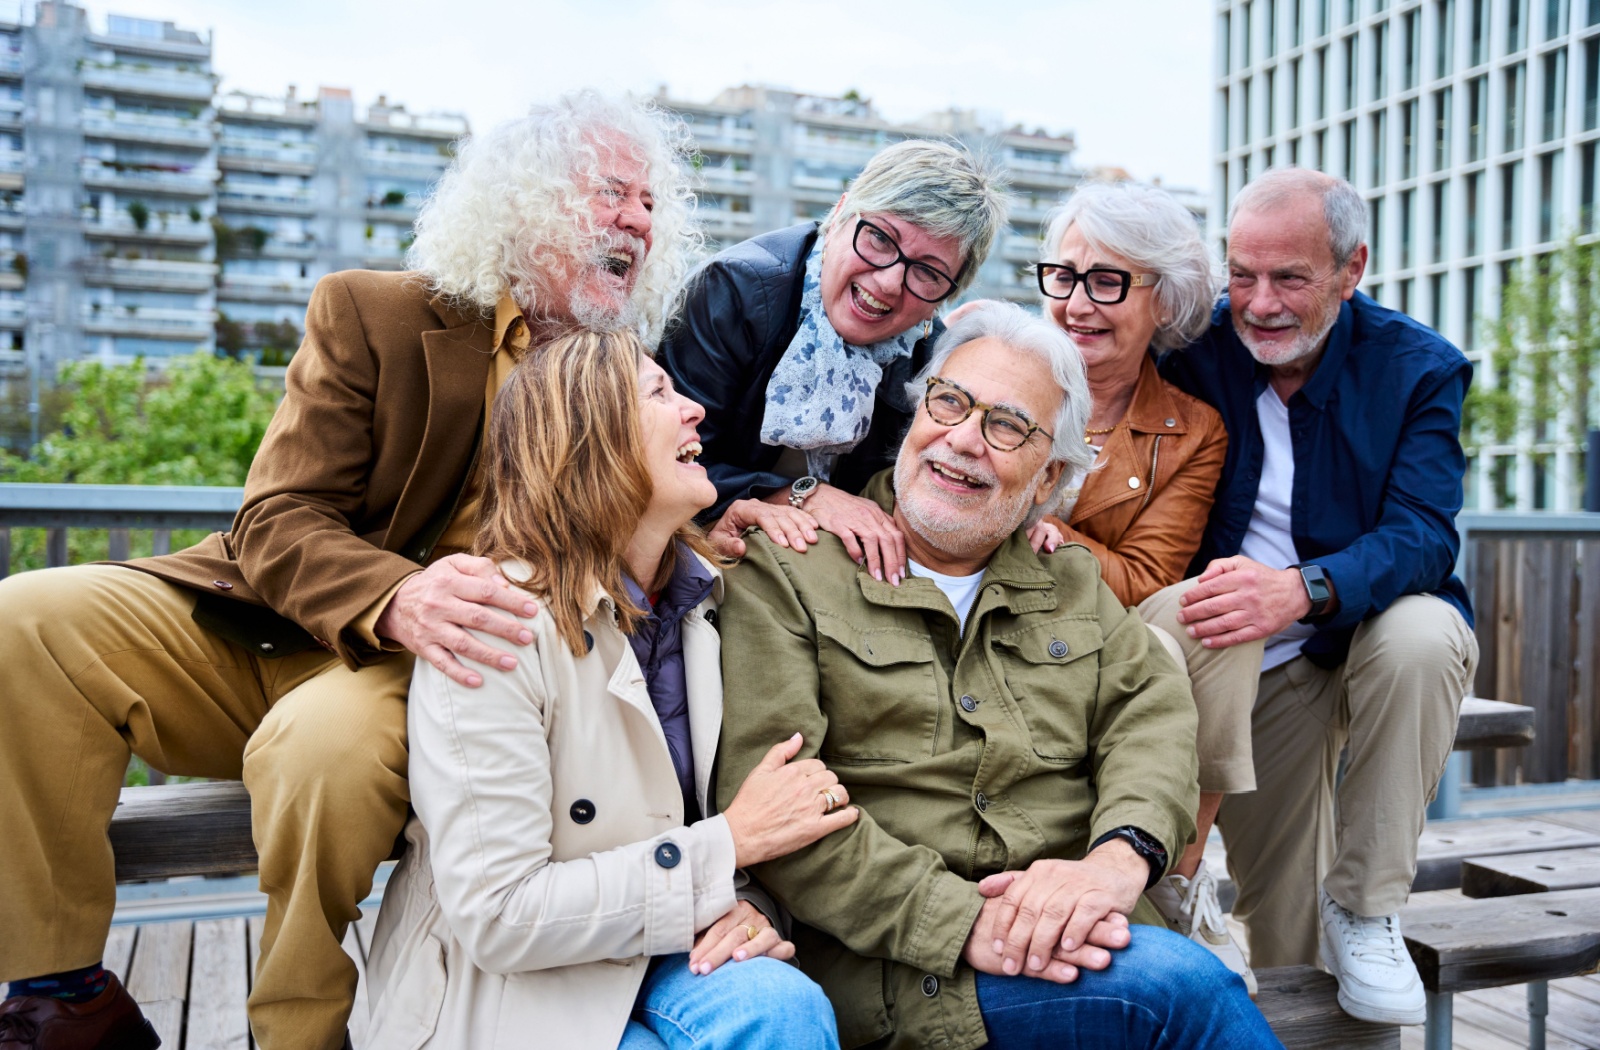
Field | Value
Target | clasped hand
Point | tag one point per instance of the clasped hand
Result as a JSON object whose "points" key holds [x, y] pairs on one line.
{"points": [[1240, 600]]}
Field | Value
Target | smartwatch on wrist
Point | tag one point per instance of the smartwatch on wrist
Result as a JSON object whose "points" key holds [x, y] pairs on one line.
{"points": [[801, 489], [1319, 590], [1145, 845]]}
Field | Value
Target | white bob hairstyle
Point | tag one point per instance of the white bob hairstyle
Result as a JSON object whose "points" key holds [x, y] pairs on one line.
{"points": [[512, 211], [1155, 234]]}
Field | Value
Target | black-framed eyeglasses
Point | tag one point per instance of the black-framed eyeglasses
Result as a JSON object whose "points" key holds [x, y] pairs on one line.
{"points": [[1005, 429], [1102, 284], [879, 250]]}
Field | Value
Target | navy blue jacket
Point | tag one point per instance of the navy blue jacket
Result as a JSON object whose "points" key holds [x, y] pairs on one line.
{"points": [[741, 313], [1378, 463]]}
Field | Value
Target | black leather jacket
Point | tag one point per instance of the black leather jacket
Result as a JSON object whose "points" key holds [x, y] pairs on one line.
{"points": [[742, 311]]}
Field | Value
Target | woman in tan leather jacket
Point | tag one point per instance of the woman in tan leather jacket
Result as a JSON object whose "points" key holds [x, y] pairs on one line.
{"points": [[1126, 274]]}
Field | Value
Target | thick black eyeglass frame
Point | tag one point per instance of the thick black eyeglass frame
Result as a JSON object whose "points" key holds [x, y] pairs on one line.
{"points": [[1129, 280], [900, 257], [974, 405]]}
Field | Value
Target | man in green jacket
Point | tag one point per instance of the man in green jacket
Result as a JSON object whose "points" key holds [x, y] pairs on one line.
{"points": [[1021, 750]]}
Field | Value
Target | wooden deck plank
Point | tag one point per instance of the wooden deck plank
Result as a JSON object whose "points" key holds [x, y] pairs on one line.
{"points": [[158, 976], [218, 987], [1301, 1005], [1444, 845], [1462, 945], [1504, 876], [119, 950]]}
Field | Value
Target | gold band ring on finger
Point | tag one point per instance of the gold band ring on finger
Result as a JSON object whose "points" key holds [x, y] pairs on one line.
{"points": [[750, 932], [830, 801]]}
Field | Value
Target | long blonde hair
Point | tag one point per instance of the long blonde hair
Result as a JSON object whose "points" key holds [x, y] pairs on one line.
{"points": [[566, 480]]}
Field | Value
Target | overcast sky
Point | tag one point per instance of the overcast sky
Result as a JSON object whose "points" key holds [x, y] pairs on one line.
{"points": [[1130, 77]]}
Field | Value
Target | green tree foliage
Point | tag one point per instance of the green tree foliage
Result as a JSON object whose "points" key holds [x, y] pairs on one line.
{"points": [[1544, 352], [197, 423]]}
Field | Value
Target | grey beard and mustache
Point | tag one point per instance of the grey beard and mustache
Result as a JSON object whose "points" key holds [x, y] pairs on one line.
{"points": [[1304, 345], [960, 526], [585, 310]]}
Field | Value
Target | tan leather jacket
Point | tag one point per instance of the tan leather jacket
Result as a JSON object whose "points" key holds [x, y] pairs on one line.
{"points": [[1144, 508]]}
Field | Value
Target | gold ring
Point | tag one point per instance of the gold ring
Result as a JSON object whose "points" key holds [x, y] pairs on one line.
{"points": [[750, 932], [829, 799]]}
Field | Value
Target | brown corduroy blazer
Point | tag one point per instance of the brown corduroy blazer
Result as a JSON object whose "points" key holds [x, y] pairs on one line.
{"points": [[1143, 510], [370, 445]]}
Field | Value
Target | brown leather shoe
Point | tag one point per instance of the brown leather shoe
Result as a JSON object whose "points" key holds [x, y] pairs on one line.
{"points": [[109, 1021]]}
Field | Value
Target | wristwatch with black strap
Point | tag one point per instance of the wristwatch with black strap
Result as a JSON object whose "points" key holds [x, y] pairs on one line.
{"points": [[1319, 588], [1144, 844]]}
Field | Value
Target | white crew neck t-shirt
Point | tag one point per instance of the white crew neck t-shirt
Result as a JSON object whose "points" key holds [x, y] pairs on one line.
{"points": [[960, 590], [1269, 539]]}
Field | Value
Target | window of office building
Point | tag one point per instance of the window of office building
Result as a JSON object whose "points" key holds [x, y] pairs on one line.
{"points": [[1478, 33], [1271, 27], [1591, 83], [1297, 18], [1347, 137], [1380, 5], [1375, 243], [1294, 94], [1321, 94], [1322, 15], [1477, 117], [1586, 190], [1406, 290], [1246, 113], [1516, 25], [1555, 18], [1471, 278], [1320, 140], [1444, 13], [1245, 27], [1227, 122], [1441, 203], [1436, 287], [1594, 13], [1549, 195], [1411, 33], [1474, 210], [1379, 130], [1271, 126], [1349, 11], [1408, 140], [1510, 204], [1408, 219], [1294, 153], [1380, 67], [1555, 94], [1351, 53], [1224, 34], [1441, 130], [1516, 106]]}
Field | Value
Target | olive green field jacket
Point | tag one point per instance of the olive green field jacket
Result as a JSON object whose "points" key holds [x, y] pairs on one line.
{"points": [[1054, 718]]}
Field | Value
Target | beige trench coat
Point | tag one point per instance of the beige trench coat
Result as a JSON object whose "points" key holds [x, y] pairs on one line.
{"points": [[548, 859]]}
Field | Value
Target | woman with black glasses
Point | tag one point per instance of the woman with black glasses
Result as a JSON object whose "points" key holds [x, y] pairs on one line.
{"points": [[1126, 275], [799, 344]]}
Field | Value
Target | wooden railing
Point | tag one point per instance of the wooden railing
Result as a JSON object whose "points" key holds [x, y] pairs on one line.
{"points": [[1535, 581]]}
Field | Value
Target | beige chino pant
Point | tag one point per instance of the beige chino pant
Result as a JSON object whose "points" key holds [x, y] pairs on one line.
{"points": [[1394, 702], [98, 661]]}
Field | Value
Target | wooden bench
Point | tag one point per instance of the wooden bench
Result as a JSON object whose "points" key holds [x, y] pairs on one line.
{"points": [[1464, 945], [1301, 1003]]}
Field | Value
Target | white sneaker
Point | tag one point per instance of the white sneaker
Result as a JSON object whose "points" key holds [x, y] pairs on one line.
{"points": [[1190, 906], [1378, 982]]}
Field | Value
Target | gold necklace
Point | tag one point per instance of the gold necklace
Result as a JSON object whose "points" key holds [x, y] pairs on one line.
{"points": [[1089, 432]]}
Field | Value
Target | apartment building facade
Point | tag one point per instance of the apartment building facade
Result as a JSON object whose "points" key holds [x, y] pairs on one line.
{"points": [[1471, 127]]}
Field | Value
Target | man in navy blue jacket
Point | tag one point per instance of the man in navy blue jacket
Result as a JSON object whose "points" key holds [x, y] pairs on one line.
{"points": [[1333, 537]]}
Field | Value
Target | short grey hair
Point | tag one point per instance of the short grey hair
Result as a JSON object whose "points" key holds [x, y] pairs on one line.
{"points": [[1153, 232], [1342, 207], [939, 187], [1016, 328]]}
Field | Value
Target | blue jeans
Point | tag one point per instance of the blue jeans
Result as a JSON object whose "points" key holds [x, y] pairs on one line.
{"points": [[1161, 991], [758, 1004]]}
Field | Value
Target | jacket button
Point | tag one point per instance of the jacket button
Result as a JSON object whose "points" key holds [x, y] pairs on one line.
{"points": [[268, 647], [222, 585], [930, 985], [1172, 422], [968, 704], [1058, 648], [982, 802], [667, 855], [422, 555], [711, 617], [1133, 483], [583, 811], [588, 642]]}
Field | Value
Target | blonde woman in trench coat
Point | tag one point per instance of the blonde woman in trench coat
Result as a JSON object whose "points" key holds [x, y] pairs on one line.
{"points": [[567, 881]]}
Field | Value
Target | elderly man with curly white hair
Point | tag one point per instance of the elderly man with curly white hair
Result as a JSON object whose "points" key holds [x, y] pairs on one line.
{"points": [[281, 651]]}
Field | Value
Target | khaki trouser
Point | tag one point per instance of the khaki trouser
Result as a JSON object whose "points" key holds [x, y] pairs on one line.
{"points": [[1224, 686], [96, 661], [1394, 701]]}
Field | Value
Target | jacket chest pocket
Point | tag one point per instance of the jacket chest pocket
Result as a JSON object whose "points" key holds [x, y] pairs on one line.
{"points": [[882, 698], [1052, 671]]}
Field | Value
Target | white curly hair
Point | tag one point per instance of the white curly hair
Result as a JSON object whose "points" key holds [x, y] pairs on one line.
{"points": [[512, 210]]}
